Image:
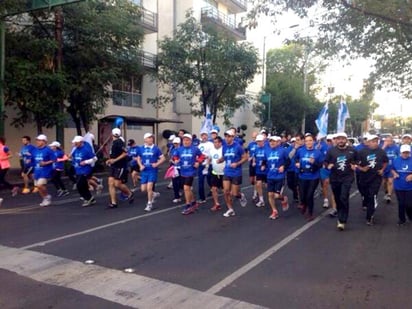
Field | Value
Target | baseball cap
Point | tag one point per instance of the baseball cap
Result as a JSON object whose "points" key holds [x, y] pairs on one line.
{"points": [[260, 138], [204, 132], [55, 144], [187, 135], [146, 135], [77, 139], [406, 135], [329, 137], [116, 132], [341, 134], [172, 137], [176, 140], [371, 137], [229, 132], [42, 137], [275, 138], [214, 131], [405, 148], [293, 139]]}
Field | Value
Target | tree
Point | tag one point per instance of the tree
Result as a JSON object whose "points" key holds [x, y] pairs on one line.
{"points": [[194, 62], [375, 29], [101, 47]]}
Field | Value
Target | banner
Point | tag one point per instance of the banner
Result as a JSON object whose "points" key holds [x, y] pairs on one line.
{"points": [[343, 114], [322, 121]]}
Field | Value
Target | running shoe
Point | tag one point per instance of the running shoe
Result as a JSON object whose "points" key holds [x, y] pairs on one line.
{"points": [[274, 215], [325, 203], [149, 207], [285, 203], [333, 213], [255, 198], [177, 200], [35, 190], [229, 213], [216, 207], [46, 201], [340, 226], [111, 206], [59, 192], [130, 198], [1, 201], [243, 200], [260, 204], [14, 191], [65, 193], [25, 191], [201, 201], [99, 189], [90, 202], [155, 195]]}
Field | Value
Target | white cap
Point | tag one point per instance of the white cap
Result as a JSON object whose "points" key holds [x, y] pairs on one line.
{"points": [[172, 137], [187, 135], [55, 144], [275, 138], [263, 132], [371, 137], [214, 131], [329, 136], [204, 132], [116, 132], [293, 139], [405, 148], [406, 135], [77, 139], [341, 134], [176, 140], [147, 135], [229, 132], [259, 138], [42, 137]]}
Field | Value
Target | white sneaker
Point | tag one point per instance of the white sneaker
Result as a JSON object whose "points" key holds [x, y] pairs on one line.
{"points": [[260, 204], [229, 213], [1, 201], [149, 207], [325, 203], [46, 201], [177, 200], [243, 200]]}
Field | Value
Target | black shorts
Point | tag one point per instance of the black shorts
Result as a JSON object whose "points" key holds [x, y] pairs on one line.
{"points": [[261, 177], [187, 181], [216, 181], [119, 174], [28, 170], [135, 168], [236, 180], [275, 185], [252, 170]]}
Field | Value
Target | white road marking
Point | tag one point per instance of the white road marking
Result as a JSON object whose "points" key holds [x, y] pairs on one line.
{"points": [[113, 285], [255, 262]]}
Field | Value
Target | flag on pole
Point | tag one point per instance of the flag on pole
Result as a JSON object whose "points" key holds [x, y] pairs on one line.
{"points": [[322, 121], [343, 114], [207, 124]]}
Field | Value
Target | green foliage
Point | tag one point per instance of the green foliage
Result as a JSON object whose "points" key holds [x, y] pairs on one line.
{"points": [[193, 62], [380, 30]]}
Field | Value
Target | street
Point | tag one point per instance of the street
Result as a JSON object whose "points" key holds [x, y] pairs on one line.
{"points": [[200, 260]]}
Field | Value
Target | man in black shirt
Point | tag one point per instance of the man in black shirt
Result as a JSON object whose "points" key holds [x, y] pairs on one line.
{"points": [[372, 162], [340, 160], [118, 169]]}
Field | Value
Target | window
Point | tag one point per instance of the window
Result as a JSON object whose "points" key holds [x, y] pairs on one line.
{"points": [[128, 93]]}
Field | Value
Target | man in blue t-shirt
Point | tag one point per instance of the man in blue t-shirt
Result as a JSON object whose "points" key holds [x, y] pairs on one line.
{"points": [[26, 156], [149, 159], [233, 156]]}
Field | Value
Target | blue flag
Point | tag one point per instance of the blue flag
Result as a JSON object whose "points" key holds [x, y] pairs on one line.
{"points": [[207, 124], [322, 121], [343, 114]]}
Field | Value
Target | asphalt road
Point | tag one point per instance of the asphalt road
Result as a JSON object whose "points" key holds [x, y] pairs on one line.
{"points": [[201, 260]]}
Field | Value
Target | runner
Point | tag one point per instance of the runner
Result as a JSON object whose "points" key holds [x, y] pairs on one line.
{"points": [[26, 155], [5, 155], [233, 156], [251, 148], [217, 171], [58, 169], [292, 174], [392, 151], [259, 164], [149, 159], [133, 153], [340, 161], [204, 171]]}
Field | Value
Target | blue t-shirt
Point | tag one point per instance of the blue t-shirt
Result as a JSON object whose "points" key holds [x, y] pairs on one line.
{"points": [[260, 160], [187, 157], [149, 155], [58, 153], [133, 153], [309, 170], [392, 152], [26, 154], [275, 158], [232, 153], [251, 148], [43, 154], [404, 168], [84, 152]]}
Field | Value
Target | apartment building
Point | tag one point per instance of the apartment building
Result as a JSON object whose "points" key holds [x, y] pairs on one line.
{"points": [[129, 100]]}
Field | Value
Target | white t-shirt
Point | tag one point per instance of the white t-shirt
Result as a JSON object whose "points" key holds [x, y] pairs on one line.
{"points": [[205, 148], [216, 154]]}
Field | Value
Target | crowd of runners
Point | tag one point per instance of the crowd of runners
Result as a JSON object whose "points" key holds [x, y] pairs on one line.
{"points": [[300, 163]]}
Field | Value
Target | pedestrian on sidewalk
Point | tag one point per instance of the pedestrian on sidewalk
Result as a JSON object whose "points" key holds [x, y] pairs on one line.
{"points": [[43, 168], [5, 155]]}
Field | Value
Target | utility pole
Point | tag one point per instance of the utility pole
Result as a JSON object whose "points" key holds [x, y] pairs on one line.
{"points": [[2, 68]]}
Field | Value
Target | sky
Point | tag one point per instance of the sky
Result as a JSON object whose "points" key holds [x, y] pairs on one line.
{"points": [[346, 79]]}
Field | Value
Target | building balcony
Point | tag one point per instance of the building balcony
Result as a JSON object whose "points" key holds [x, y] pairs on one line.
{"points": [[235, 6], [148, 60], [213, 18], [149, 21]]}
